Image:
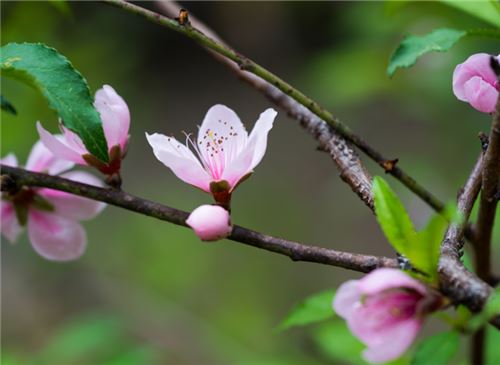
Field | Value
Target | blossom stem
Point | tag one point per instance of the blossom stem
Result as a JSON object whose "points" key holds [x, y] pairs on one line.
{"points": [[246, 64]]}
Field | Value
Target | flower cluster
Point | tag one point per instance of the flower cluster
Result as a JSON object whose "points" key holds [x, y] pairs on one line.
{"points": [[52, 216]]}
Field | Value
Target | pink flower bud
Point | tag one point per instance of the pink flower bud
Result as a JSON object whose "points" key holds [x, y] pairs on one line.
{"points": [[385, 310], [475, 82], [210, 222], [115, 118]]}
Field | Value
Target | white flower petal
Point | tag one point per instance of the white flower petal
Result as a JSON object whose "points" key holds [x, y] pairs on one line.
{"points": [[180, 160]]}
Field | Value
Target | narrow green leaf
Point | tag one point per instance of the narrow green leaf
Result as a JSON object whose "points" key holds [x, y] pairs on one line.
{"points": [[392, 216], [423, 252], [412, 47], [64, 88], [488, 11], [437, 349], [7, 106], [315, 308]]}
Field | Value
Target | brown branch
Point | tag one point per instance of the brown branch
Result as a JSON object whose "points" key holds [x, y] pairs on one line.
{"points": [[13, 177], [459, 284]]}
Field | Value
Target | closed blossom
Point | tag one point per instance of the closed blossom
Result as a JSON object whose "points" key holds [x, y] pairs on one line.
{"points": [[475, 82], [115, 118]]}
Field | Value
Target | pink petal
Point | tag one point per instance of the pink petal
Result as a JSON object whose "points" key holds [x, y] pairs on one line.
{"points": [[481, 95], [9, 226], [56, 238], [385, 278], [210, 222], [347, 298], [391, 342], [180, 160], [72, 140], [254, 150], [9, 160], [59, 148], [41, 159], [221, 137], [258, 137], [476, 65], [71, 206], [114, 114]]}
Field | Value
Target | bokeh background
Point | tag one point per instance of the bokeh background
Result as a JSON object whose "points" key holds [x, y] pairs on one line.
{"points": [[147, 292]]}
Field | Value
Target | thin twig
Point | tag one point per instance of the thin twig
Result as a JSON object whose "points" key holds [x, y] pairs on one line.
{"points": [[248, 65], [294, 250]]}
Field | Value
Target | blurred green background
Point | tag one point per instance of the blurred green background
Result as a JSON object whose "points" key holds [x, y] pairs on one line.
{"points": [[147, 292]]}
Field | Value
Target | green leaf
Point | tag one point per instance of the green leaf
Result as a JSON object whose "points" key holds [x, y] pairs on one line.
{"points": [[412, 47], [488, 11], [315, 308], [392, 216], [437, 349], [7, 106], [424, 251], [422, 248], [64, 88]]}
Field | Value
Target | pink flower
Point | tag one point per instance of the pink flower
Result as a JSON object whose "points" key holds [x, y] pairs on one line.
{"points": [[385, 310], [224, 152], [210, 222], [115, 118], [475, 82], [51, 216]]}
